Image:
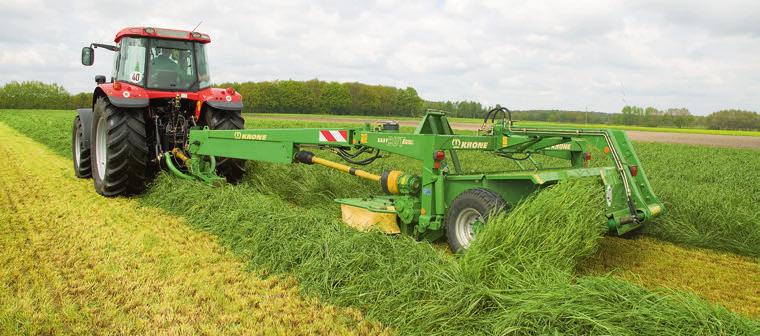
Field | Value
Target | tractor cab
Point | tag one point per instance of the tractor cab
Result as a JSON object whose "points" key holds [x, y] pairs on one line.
{"points": [[157, 59], [159, 89]]}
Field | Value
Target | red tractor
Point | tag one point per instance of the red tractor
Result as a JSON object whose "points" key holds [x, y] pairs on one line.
{"points": [[159, 88]]}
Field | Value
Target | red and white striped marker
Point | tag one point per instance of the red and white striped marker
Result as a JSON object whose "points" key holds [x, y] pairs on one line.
{"points": [[333, 136]]}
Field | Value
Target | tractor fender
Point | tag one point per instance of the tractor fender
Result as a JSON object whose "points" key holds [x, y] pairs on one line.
{"points": [[127, 96], [225, 105], [128, 102], [85, 117], [221, 99]]}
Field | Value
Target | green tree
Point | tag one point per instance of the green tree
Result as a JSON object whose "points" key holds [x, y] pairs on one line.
{"points": [[34, 94], [734, 119]]}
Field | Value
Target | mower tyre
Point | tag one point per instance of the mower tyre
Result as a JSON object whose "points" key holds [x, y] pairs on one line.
{"points": [[469, 210]]}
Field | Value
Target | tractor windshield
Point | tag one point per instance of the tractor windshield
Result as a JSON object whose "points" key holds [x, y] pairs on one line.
{"points": [[131, 61], [163, 64]]}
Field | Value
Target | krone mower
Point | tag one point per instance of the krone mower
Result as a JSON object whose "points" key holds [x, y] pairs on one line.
{"points": [[439, 200]]}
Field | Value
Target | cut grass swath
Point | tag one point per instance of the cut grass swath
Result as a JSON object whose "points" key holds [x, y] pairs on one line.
{"points": [[518, 277]]}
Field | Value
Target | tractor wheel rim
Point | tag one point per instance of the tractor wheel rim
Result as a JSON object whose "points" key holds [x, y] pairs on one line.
{"points": [[101, 146], [464, 225], [77, 148]]}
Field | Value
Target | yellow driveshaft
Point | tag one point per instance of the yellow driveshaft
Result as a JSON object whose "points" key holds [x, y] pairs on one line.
{"points": [[389, 181]]}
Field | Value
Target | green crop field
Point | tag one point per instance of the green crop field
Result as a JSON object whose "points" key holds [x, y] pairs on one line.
{"points": [[519, 277], [529, 123]]}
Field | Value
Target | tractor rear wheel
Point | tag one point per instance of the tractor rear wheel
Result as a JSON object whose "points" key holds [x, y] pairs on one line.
{"points": [[119, 146], [80, 153], [468, 213], [232, 169]]}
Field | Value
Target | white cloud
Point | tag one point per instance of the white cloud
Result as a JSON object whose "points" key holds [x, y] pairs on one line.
{"points": [[523, 54]]}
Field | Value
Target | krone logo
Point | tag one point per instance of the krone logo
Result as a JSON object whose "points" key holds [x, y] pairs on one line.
{"points": [[238, 135], [459, 144]]}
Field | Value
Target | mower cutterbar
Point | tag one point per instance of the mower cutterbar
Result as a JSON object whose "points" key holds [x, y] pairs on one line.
{"points": [[417, 204]]}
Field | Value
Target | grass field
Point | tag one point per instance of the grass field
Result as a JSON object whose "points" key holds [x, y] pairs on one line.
{"points": [[532, 123], [289, 228], [76, 263]]}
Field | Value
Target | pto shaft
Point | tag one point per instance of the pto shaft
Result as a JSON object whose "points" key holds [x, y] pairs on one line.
{"points": [[310, 158], [393, 182]]}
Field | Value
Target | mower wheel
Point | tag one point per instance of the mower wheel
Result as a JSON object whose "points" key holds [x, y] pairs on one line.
{"points": [[121, 163], [232, 169], [468, 213], [80, 154]]}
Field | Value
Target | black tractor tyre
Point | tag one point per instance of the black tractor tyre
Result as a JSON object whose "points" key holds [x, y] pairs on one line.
{"points": [[80, 154], [231, 169], [119, 147], [470, 206]]}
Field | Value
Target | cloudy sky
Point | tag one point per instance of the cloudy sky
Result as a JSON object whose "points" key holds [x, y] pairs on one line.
{"points": [[600, 55]]}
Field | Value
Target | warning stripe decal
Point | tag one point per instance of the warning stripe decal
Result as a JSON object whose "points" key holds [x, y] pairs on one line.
{"points": [[333, 136]]}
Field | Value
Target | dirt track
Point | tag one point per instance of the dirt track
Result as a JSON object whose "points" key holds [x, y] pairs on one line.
{"points": [[667, 137]]}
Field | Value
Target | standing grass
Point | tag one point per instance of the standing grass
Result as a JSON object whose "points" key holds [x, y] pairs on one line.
{"points": [[712, 196], [73, 262], [318, 117]]}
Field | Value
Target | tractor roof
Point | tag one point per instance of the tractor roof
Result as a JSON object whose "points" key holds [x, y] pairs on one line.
{"points": [[162, 33]]}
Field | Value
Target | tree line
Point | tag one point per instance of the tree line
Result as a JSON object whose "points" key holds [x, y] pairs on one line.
{"points": [[39, 95], [321, 97]]}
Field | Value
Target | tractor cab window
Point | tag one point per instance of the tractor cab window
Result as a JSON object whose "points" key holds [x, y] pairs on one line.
{"points": [[131, 61], [204, 78], [171, 65]]}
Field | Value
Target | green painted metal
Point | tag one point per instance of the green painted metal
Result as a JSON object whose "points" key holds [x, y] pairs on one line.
{"points": [[426, 195]]}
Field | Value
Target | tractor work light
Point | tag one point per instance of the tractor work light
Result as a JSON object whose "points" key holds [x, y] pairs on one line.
{"points": [[196, 35], [439, 155], [150, 31]]}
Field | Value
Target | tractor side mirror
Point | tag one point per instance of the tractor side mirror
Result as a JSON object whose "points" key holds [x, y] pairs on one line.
{"points": [[88, 56], [100, 79]]}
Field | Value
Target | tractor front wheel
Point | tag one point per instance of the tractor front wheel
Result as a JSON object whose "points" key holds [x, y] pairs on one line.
{"points": [[80, 153], [468, 213], [231, 169], [120, 150]]}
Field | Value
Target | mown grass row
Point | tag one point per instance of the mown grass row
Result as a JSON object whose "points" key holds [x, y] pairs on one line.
{"points": [[75, 263], [517, 278]]}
